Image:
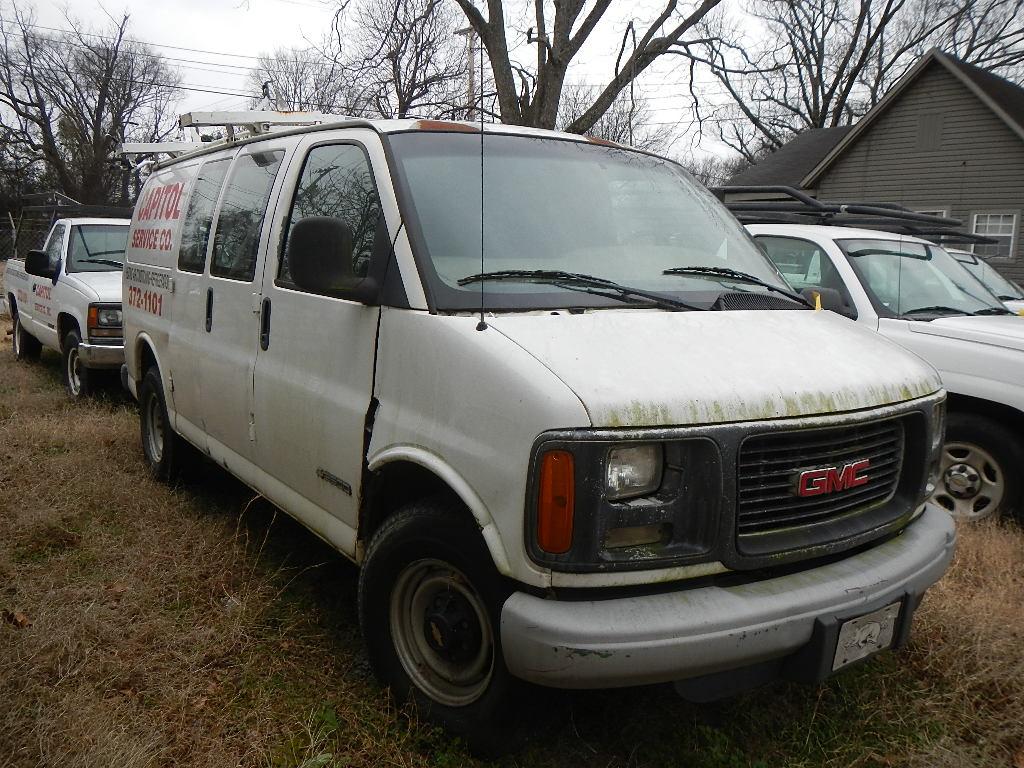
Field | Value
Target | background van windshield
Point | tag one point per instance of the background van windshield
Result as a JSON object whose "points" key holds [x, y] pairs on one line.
{"points": [[1004, 289], [913, 279], [564, 205], [97, 247]]}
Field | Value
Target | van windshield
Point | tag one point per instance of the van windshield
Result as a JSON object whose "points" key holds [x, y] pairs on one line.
{"points": [[97, 247], [1004, 289], [569, 207], [917, 281]]}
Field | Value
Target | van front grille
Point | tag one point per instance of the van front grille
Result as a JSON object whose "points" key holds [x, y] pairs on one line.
{"points": [[836, 483]]}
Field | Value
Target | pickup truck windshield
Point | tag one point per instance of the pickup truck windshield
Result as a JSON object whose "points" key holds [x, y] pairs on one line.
{"points": [[97, 247], [570, 207], [916, 281], [1004, 289]]}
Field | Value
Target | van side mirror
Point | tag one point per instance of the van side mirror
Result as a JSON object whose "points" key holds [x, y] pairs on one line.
{"points": [[831, 299], [37, 263], [320, 251]]}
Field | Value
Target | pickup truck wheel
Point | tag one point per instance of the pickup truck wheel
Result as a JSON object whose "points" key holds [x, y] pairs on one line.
{"points": [[980, 466], [429, 607], [165, 451], [77, 378], [26, 346]]}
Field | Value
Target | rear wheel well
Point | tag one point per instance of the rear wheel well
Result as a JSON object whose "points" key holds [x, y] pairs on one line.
{"points": [[65, 323], [395, 485], [146, 360], [1004, 414]]}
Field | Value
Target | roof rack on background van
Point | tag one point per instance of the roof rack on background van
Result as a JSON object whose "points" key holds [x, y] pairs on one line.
{"points": [[804, 209]]}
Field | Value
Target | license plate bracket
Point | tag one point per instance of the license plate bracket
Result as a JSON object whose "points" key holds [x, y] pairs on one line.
{"points": [[865, 635]]}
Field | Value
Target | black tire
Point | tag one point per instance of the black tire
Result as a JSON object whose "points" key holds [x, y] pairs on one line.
{"points": [[25, 346], [981, 461], [77, 378], [167, 454], [418, 550]]}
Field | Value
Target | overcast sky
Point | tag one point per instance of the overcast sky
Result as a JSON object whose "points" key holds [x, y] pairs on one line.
{"points": [[226, 35]]}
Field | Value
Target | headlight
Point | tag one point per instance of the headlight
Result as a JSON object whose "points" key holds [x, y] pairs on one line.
{"points": [[938, 425], [633, 470], [109, 317]]}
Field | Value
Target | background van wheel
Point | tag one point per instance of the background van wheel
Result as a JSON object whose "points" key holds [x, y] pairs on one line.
{"points": [[167, 454], [26, 346], [981, 469], [77, 378], [429, 607]]}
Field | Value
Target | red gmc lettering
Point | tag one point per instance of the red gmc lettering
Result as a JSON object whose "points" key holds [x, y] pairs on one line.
{"points": [[817, 482]]}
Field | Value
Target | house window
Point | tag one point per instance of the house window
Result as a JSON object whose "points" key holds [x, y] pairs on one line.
{"points": [[1001, 227]]}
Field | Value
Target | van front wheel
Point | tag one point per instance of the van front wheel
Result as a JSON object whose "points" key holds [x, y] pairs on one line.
{"points": [[429, 607], [164, 450]]}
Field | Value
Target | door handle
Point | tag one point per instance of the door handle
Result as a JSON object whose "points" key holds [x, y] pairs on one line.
{"points": [[209, 309], [265, 325]]}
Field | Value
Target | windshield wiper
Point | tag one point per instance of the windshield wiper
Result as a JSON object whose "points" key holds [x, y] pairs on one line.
{"points": [[735, 274], [934, 310], [576, 281], [109, 262], [993, 311]]}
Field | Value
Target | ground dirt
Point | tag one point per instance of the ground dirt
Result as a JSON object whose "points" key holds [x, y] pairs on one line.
{"points": [[142, 625]]}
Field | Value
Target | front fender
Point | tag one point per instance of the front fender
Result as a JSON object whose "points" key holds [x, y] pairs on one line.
{"points": [[432, 462]]}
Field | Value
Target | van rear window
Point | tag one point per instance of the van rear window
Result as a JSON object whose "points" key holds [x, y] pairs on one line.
{"points": [[195, 231]]}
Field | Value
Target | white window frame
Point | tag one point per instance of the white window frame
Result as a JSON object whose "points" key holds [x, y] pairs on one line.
{"points": [[1013, 232]]}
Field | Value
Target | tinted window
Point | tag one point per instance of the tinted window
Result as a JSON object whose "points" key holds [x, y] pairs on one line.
{"points": [[97, 247], [336, 181], [195, 230], [236, 240], [54, 246]]}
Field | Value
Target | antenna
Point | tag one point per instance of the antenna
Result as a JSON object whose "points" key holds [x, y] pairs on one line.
{"points": [[482, 325]]}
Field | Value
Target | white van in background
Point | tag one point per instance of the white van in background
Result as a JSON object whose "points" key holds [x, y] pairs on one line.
{"points": [[1004, 289], [582, 436]]}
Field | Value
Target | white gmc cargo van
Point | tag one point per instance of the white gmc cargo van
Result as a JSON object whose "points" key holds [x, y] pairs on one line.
{"points": [[585, 437]]}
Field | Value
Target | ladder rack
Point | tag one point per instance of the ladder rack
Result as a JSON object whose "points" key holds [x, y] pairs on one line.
{"points": [[255, 122]]}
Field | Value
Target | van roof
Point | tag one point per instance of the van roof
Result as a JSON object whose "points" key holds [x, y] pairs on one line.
{"points": [[387, 127], [833, 233]]}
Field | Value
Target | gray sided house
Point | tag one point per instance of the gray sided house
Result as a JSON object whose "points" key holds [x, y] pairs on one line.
{"points": [[948, 138]]}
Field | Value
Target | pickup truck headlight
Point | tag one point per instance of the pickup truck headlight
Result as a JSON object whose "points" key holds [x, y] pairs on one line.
{"points": [[633, 470], [109, 317]]}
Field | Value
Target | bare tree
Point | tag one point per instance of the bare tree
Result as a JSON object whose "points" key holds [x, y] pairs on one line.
{"points": [[713, 171], [402, 57], [302, 79], [629, 120], [68, 100], [826, 63], [531, 94]]}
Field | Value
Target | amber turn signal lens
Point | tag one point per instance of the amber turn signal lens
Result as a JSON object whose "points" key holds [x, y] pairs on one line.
{"points": [[93, 319], [555, 505]]}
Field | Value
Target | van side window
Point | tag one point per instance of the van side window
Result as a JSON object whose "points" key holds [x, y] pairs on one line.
{"points": [[195, 230], [803, 263], [337, 181], [236, 239]]}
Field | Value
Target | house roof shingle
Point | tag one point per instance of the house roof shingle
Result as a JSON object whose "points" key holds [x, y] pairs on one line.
{"points": [[788, 164]]}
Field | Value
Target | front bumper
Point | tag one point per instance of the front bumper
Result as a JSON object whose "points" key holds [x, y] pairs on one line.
{"points": [[706, 630], [101, 355]]}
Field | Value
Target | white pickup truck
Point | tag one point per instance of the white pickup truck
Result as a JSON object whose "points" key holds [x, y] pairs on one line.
{"points": [[67, 297]]}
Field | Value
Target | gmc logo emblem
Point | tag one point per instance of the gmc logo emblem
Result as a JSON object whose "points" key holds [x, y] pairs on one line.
{"points": [[818, 482]]}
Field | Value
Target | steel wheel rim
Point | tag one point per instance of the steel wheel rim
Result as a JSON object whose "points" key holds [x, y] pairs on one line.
{"points": [[74, 371], [972, 483], [413, 602], [154, 429]]}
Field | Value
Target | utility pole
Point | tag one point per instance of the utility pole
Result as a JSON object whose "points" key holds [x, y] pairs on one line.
{"points": [[470, 34]]}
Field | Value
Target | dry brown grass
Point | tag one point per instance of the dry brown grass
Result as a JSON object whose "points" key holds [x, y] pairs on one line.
{"points": [[194, 626]]}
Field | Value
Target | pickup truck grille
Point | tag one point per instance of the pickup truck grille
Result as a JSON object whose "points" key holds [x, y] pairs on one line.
{"points": [[770, 467]]}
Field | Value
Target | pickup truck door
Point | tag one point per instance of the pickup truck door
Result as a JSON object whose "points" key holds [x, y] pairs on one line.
{"points": [[232, 298], [314, 370], [43, 311]]}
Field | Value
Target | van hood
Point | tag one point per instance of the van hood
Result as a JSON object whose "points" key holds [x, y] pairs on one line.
{"points": [[99, 286], [633, 368], [1005, 331]]}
